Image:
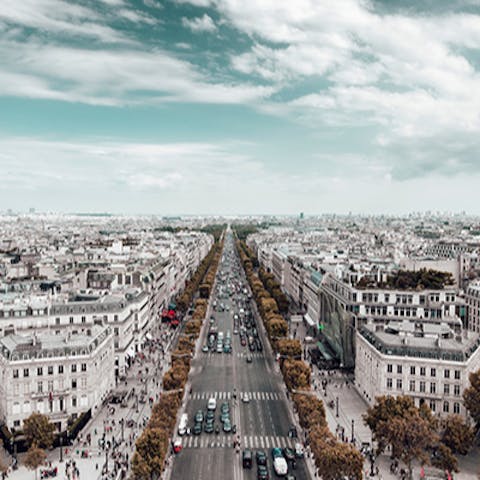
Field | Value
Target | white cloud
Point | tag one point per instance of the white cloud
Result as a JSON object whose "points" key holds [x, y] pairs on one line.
{"points": [[199, 24], [111, 77]]}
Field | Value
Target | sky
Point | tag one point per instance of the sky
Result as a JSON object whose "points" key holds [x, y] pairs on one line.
{"points": [[240, 107]]}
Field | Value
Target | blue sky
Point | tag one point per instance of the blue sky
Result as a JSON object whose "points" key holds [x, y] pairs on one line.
{"points": [[252, 106]]}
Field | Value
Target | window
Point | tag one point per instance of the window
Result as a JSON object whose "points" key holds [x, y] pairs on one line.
{"points": [[84, 367], [389, 383], [115, 318], [433, 387], [456, 390], [74, 401], [446, 407], [50, 385], [389, 368], [433, 405], [57, 321], [83, 382], [399, 369], [26, 372], [433, 372], [84, 318], [422, 371], [412, 385], [71, 320], [456, 407], [74, 367], [446, 389], [50, 370], [15, 373], [457, 374], [60, 369], [16, 388], [422, 387], [399, 383], [446, 373], [412, 370], [40, 387], [39, 371], [74, 383]]}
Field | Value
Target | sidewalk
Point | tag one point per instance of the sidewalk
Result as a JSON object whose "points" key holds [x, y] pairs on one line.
{"points": [[105, 428]]}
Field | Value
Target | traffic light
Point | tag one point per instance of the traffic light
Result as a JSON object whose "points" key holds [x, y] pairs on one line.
{"points": [[320, 327]]}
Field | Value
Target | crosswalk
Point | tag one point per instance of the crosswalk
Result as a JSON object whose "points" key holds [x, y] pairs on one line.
{"points": [[228, 395], [247, 441]]}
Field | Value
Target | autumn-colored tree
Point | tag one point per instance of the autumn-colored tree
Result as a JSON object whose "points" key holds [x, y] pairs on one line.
{"points": [[185, 344], [39, 431], [296, 374], [471, 397], [333, 458], [193, 327], [310, 409], [277, 327], [289, 347], [410, 431], [152, 446], [457, 435], [34, 458], [175, 378], [444, 458]]}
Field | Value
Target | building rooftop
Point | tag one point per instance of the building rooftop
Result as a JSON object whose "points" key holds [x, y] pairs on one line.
{"points": [[423, 340]]}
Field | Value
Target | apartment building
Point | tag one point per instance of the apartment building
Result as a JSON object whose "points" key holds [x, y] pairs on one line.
{"points": [[472, 299], [61, 376], [430, 362]]}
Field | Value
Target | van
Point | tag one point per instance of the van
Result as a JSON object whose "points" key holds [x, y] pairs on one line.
{"points": [[182, 426], [212, 404], [247, 458]]}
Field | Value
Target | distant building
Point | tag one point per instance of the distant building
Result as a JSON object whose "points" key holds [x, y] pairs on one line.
{"points": [[61, 376], [428, 362], [472, 298]]}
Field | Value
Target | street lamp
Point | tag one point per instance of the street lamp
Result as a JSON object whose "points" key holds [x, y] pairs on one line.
{"points": [[61, 448], [353, 430], [106, 460], [336, 406], [372, 463]]}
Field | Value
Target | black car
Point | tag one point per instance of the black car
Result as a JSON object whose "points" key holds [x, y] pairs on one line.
{"points": [[251, 347], [262, 473], [289, 453], [261, 457], [197, 428], [259, 345], [247, 458]]}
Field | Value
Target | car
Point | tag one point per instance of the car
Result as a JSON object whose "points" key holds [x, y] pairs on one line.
{"points": [[235, 331], [199, 416], [225, 407], [249, 359], [276, 452], [177, 446], [219, 348], [243, 341], [280, 466], [212, 404], [299, 451], [246, 398], [247, 458], [251, 347], [261, 457], [227, 426], [225, 417], [289, 453], [210, 417], [262, 472], [290, 477], [227, 349], [209, 427], [205, 348], [197, 428]]}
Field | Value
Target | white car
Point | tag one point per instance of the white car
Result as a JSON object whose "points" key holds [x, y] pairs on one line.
{"points": [[299, 452], [246, 398], [212, 404], [280, 466]]}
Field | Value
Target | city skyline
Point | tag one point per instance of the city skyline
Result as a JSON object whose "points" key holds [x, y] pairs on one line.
{"points": [[219, 107]]}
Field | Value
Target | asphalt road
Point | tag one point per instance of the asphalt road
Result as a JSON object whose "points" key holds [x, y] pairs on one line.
{"points": [[262, 423]]}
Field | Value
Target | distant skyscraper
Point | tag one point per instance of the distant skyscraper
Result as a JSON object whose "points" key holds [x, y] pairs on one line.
{"points": [[301, 215]]}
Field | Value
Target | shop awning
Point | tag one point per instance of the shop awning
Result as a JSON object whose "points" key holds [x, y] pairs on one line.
{"points": [[311, 322]]}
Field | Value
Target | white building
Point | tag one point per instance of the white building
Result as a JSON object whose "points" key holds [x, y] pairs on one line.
{"points": [[472, 298], [429, 362], [61, 376]]}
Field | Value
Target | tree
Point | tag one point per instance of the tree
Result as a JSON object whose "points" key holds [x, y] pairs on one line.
{"points": [[335, 459], [289, 347], [410, 431], [38, 430], [176, 377], [444, 458], [471, 397], [152, 446], [34, 458], [457, 435], [296, 374], [310, 409], [277, 327]]}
